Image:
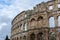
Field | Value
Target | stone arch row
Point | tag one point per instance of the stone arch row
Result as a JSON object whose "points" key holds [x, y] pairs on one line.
{"points": [[32, 37], [39, 36], [51, 23], [24, 26], [39, 18], [19, 38]]}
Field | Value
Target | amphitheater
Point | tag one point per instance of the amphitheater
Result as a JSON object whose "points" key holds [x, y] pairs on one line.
{"points": [[35, 24]]}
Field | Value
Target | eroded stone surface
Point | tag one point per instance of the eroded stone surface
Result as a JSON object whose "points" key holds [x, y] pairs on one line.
{"points": [[34, 24]]}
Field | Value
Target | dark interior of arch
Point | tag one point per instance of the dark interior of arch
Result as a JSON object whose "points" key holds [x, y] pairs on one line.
{"points": [[39, 36], [24, 38], [32, 36], [40, 18], [32, 19]]}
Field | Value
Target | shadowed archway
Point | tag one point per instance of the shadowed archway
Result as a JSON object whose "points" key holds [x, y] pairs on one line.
{"points": [[32, 36], [39, 36]]}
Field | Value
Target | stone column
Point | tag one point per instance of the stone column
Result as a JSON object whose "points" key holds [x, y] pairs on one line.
{"points": [[56, 21], [55, 6], [48, 23], [28, 37], [35, 36], [57, 36]]}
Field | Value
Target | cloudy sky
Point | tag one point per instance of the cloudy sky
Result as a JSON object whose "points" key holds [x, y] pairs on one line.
{"points": [[9, 9]]}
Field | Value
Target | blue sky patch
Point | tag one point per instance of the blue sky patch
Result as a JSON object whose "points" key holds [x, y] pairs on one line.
{"points": [[3, 2]]}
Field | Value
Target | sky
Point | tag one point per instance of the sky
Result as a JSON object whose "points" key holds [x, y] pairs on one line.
{"points": [[9, 9]]}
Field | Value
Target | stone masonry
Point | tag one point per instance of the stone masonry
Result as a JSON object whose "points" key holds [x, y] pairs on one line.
{"points": [[34, 24]]}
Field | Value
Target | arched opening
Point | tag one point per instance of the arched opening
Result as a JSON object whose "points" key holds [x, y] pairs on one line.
{"points": [[59, 6], [21, 26], [17, 38], [39, 36], [40, 18], [25, 26], [32, 36], [51, 7], [51, 22], [59, 35], [58, 20], [20, 38], [24, 37], [52, 36], [32, 19]]}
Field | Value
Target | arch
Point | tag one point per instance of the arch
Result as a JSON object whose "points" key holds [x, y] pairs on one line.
{"points": [[20, 38], [51, 7], [17, 38], [40, 18], [59, 5], [20, 25], [58, 20], [59, 35], [24, 37], [52, 36], [32, 36], [25, 27], [12, 39], [32, 19], [51, 22], [39, 36]]}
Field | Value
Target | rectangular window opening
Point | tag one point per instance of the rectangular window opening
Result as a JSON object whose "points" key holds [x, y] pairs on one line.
{"points": [[50, 7], [58, 5]]}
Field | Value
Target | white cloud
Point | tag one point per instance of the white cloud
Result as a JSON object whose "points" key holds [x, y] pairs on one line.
{"points": [[10, 11], [2, 24], [0, 27], [14, 9]]}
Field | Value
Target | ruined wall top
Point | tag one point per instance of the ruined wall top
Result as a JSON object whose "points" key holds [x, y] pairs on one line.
{"points": [[51, 5], [44, 6]]}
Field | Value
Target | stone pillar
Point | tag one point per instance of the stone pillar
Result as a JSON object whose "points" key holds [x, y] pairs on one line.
{"points": [[48, 23], [57, 36], [35, 36], [56, 21], [47, 20], [28, 37], [55, 6]]}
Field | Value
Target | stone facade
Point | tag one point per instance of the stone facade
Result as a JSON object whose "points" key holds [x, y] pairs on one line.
{"points": [[34, 24]]}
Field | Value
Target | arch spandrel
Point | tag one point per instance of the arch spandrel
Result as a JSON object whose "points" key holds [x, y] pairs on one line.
{"points": [[34, 16]]}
